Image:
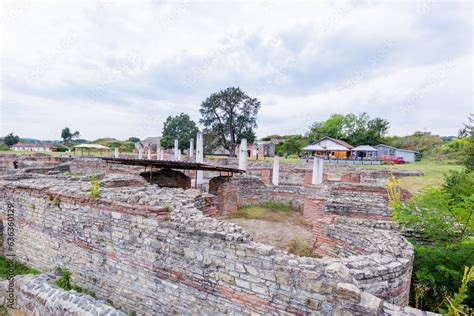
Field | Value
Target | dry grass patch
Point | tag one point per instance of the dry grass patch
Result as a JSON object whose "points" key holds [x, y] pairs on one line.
{"points": [[298, 246], [277, 224]]}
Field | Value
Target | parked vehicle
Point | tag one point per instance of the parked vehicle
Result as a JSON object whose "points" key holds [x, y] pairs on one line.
{"points": [[395, 160]]}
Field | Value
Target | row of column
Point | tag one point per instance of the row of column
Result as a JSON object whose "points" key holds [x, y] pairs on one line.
{"points": [[177, 152], [317, 175]]}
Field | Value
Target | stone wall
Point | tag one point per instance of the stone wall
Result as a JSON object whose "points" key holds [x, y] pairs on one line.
{"points": [[335, 209], [149, 250], [247, 190], [36, 295]]}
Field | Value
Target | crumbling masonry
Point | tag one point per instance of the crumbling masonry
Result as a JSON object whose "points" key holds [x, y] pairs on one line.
{"points": [[152, 250]]}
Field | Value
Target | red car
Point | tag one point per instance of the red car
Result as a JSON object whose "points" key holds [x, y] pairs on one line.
{"points": [[395, 160]]}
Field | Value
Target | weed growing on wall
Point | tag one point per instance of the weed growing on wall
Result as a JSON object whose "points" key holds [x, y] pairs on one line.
{"points": [[298, 246], [18, 268], [455, 304], [393, 190], [65, 283], [95, 188]]}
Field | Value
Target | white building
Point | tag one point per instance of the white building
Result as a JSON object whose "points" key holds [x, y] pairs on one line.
{"points": [[385, 151], [34, 147]]}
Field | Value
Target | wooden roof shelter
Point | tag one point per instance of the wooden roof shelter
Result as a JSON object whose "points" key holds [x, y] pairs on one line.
{"points": [[171, 164]]}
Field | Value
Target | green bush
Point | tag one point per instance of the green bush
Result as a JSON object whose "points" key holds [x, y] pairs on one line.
{"points": [[4, 147], [123, 146], [443, 219]]}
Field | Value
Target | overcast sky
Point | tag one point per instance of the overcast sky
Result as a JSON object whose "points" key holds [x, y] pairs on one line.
{"points": [[118, 70]]}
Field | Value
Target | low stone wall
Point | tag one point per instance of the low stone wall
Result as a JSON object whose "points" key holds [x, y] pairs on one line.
{"points": [[300, 174], [36, 295], [379, 258], [247, 190], [362, 200], [129, 248], [27, 161], [349, 220]]}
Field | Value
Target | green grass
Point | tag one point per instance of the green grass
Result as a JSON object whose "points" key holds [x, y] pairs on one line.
{"points": [[27, 152], [290, 159], [434, 172], [8, 267], [65, 283], [275, 212]]}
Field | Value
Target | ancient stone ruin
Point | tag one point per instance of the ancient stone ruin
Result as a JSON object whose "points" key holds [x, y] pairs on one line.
{"points": [[148, 249]]}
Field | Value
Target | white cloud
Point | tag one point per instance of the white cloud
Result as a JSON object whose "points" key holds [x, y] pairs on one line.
{"points": [[118, 70]]}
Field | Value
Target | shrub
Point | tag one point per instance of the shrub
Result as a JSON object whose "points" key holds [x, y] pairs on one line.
{"points": [[443, 220], [4, 147], [65, 283], [95, 188]]}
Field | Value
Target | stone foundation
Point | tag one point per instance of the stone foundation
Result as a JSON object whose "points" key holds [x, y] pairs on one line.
{"points": [[151, 251], [36, 295]]}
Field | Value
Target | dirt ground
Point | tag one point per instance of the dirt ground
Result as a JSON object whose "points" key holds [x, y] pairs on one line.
{"points": [[273, 233]]}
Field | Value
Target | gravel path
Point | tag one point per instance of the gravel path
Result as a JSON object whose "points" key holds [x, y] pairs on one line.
{"points": [[273, 233]]}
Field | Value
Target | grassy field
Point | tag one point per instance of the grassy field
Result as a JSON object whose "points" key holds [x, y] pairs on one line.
{"points": [[58, 154], [27, 152], [274, 212], [434, 171]]}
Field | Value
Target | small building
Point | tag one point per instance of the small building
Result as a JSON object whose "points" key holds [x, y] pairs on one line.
{"points": [[150, 143], [265, 148], [332, 148], [34, 147], [385, 151]]}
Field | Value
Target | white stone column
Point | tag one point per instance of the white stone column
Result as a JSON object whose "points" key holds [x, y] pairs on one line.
{"points": [[162, 155], [116, 152], [149, 153], [179, 154], [191, 148], [243, 155], [176, 144], [317, 171], [276, 170], [199, 157], [140, 153], [158, 149]]}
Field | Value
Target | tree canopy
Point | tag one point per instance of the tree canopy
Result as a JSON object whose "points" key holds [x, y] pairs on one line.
{"points": [[67, 136], [179, 127], [11, 139], [354, 129], [231, 115], [133, 139]]}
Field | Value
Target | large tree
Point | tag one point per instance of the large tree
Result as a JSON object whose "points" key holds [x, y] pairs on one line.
{"points": [[67, 136], [11, 139], [179, 127], [355, 129], [231, 115]]}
